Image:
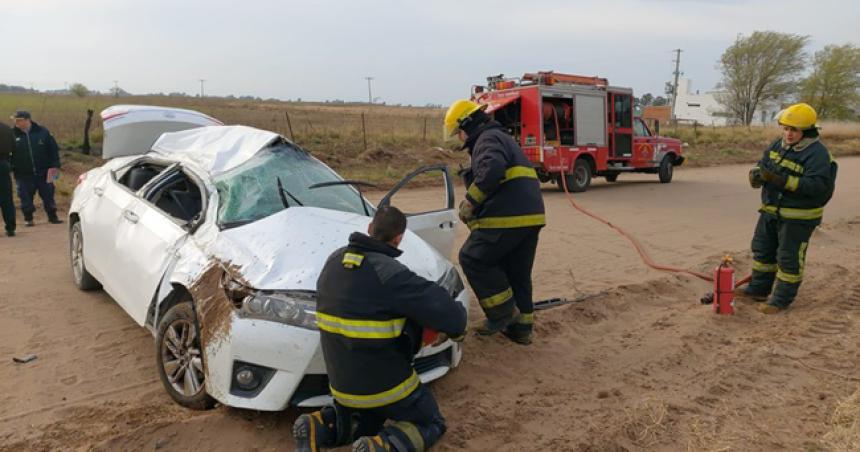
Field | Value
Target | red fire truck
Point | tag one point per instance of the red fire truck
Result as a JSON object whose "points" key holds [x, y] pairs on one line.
{"points": [[579, 125]]}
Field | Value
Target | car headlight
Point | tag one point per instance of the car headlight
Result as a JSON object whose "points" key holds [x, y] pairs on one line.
{"points": [[451, 282], [296, 308]]}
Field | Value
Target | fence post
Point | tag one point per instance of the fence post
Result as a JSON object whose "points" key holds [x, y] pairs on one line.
{"points": [[290, 126], [424, 134], [85, 149], [363, 131]]}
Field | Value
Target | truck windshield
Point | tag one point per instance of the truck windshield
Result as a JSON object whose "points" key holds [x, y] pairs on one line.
{"points": [[250, 191]]}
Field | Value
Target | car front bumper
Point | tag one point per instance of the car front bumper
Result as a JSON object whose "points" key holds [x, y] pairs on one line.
{"points": [[290, 364]]}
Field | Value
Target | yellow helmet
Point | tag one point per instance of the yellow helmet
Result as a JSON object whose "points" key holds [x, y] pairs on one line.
{"points": [[457, 112], [800, 116]]}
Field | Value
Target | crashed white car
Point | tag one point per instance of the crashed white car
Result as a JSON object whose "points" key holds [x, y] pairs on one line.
{"points": [[213, 238]]}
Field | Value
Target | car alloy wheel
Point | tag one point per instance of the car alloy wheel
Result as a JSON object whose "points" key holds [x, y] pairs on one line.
{"points": [[181, 358]]}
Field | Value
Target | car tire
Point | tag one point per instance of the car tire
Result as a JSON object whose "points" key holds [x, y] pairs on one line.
{"points": [[666, 170], [83, 279], [579, 179], [180, 358], [611, 177]]}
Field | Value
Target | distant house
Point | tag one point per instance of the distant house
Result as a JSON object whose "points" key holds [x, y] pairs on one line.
{"points": [[704, 108], [652, 113]]}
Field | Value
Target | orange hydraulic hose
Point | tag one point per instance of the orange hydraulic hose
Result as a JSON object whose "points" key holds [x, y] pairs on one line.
{"points": [[639, 249]]}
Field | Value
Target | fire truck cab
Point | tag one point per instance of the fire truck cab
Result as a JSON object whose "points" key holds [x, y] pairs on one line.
{"points": [[577, 127]]}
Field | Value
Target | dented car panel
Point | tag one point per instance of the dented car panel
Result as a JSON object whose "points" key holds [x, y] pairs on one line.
{"points": [[149, 249]]}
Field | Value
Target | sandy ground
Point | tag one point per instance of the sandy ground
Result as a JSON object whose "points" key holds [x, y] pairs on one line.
{"points": [[641, 366]]}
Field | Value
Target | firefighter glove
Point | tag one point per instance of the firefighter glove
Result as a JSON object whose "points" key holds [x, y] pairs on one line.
{"points": [[756, 180], [773, 177], [467, 211]]}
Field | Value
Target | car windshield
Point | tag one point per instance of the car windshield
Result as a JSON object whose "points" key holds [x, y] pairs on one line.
{"points": [[250, 191]]}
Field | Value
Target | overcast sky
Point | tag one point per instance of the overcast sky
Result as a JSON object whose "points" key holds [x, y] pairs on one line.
{"points": [[419, 52]]}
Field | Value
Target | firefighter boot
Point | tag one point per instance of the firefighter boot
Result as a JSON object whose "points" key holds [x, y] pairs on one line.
{"points": [[520, 331], [400, 436], [490, 327], [315, 430], [371, 444], [53, 218], [767, 308], [749, 297]]}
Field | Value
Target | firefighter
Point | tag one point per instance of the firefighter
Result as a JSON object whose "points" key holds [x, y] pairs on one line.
{"points": [[370, 312], [797, 176], [504, 211]]}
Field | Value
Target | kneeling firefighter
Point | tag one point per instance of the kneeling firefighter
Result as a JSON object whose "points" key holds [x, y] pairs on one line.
{"points": [[504, 211], [370, 312], [797, 177]]}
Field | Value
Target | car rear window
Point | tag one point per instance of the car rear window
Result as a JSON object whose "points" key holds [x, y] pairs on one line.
{"points": [[250, 191]]}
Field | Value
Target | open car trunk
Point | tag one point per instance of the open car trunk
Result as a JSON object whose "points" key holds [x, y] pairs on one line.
{"points": [[132, 129]]}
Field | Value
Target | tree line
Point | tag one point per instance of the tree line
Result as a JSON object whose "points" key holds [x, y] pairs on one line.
{"points": [[769, 66]]}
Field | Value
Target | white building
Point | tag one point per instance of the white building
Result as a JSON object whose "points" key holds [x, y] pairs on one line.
{"points": [[704, 108]]}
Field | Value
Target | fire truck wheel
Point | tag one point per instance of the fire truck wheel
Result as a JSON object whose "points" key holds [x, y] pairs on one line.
{"points": [[611, 177], [666, 170], [579, 180]]}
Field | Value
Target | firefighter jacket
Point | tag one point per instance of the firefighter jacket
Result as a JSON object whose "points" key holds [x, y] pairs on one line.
{"points": [[502, 183], [370, 313], [810, 173], [35, 151]]}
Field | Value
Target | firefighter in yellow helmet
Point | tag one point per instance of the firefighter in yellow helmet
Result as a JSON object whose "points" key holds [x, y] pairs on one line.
{"points": [[797, 176], [504, 210]]}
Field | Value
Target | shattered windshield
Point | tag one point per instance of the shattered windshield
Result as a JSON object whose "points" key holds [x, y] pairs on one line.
{"points": [[251, 191]]}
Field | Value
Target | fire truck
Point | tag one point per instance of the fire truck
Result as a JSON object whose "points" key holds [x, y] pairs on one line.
{"points": [[579, 127]]}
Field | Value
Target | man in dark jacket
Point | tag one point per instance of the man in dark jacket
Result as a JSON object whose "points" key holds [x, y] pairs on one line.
{"points": [[505, 213], [370, 312], [797, 177], [7, 205], [36, 163]]}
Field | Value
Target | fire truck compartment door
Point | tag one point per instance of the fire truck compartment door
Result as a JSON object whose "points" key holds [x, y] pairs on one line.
{"points": [[590, 120], [501, 102], [436, 226]]}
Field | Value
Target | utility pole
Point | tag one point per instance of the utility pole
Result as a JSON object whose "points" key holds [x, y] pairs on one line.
{"points": [[115, 88], [369, 94], [201, 87], [677, 73]]}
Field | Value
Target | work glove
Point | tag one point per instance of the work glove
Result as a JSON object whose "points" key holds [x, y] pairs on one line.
{"points": [[466, 211], [465, 175], [773, 177], [756, 180]]}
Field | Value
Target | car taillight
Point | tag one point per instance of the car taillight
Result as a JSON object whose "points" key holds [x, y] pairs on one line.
{"points": [[81, 178]]}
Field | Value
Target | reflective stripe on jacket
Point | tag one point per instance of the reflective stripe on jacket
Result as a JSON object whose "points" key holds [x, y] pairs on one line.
{"points": [[502, 184], [370, 313], [810, 173]]}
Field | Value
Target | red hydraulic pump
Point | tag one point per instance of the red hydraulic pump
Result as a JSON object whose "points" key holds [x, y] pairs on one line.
{"points": [[724, 285]]}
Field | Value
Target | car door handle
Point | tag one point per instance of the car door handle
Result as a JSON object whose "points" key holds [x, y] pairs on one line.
{"points": [[99, 191], [442, 225], [130, 216]]}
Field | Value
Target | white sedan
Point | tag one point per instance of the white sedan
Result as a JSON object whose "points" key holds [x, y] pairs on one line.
{"points": [[213, 238]]}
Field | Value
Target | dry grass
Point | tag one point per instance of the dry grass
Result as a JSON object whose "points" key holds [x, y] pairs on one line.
{"points": [[844, 434], [390, 141]]}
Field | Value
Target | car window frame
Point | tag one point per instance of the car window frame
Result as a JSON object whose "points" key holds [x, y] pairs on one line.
{"points": [[118, 173], [144, 193]]}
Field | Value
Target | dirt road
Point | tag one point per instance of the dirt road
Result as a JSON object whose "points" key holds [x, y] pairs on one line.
{"points": [[641, 366]]}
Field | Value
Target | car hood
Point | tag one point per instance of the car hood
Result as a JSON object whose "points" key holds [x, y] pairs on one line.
{"points": [[287, 250]]}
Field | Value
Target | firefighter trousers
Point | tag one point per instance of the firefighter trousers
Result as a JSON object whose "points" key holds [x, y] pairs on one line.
{"points": [[416, 425], [779, 253], [498, 264]]}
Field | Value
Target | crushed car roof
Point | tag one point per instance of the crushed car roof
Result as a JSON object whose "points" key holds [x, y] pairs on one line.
{"points": [[215, 149]]}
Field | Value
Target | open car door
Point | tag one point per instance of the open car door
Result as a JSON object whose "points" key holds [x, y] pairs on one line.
{"points": [[433, 221]]}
